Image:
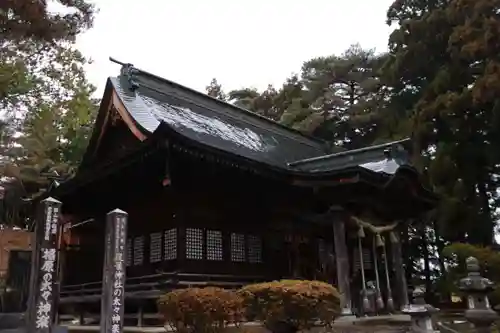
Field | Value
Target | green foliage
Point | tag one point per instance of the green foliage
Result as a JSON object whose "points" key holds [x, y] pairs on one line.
{"points": [[54, 115], [214, 89], [456, 255], [262, 103], [337, 98], [437, 84], [21, 20], [452, 107], [297, 304], [342, 92], [201, 310], [45, 99]]}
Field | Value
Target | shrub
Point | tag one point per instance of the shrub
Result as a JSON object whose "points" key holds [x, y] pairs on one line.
{"points": [[201, 310], [456, 255], [291, 304]]}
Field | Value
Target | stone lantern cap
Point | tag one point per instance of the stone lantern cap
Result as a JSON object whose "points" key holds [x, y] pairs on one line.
{"points": [[474, 282], [419, 307]]}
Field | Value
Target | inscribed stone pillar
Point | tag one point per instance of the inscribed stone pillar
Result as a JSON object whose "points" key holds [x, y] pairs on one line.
{"points": [[41, 309], [397, 260], [113, 282], [342, 261]]}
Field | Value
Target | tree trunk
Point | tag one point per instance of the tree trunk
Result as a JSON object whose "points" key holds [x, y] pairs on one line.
{"points": [[488, 234], [425, 255], [405, 246], [439, 246]]}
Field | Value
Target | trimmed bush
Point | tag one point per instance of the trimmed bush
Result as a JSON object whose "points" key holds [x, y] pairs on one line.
{"points": [[201, 310], [291, 305]]}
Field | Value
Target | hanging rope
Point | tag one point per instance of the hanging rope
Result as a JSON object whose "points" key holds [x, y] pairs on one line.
{"points": [[376, 230]]}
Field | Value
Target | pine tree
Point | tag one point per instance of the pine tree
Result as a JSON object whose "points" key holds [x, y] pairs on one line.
{"points": [[245, 98], [214, 89], [51, 111], [22, 20], [339, 98]]}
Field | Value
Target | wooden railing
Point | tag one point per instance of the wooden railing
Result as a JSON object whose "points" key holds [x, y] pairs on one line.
{"points": [[151, 286]]}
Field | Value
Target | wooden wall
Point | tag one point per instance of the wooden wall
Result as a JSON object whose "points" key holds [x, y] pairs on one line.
{"points": [[206, 211], [199, 233]]}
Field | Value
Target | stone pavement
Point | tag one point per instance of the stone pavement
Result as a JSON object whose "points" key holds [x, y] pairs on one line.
{"points": [[379, 324]]}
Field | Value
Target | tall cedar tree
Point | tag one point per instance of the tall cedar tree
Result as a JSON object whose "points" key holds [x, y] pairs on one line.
{"points": [[455, 113]]}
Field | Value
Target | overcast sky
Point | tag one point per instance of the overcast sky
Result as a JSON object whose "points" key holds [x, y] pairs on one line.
{"points": [[241, 43]]}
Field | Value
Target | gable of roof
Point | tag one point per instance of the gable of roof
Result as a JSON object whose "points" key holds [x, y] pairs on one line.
{"points": [[110, 107], [146, 101], [151, 100]]}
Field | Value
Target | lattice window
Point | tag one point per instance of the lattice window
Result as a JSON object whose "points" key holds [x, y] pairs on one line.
{"points": [[214, 245], [170, 245], [128, 257], [138, 250], [194, 243], [155, 247], [254, 249], [237, 247]]}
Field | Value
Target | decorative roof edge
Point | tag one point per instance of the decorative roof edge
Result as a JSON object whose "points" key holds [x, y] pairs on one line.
{"points": [[391, 151], [130, 72]]}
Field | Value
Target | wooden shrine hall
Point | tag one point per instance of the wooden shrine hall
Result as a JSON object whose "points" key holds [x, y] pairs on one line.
{"points": [[217, 195]]}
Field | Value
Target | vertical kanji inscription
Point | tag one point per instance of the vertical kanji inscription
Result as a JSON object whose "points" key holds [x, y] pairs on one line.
{"points": [[41, 307], [112, 305]]}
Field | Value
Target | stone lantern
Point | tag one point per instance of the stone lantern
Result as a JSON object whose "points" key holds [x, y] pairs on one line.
{"points": [[476, 288], [420, 312]]}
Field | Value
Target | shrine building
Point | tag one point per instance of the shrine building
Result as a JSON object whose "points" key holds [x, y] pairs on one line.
{"points": [[217, 195]]}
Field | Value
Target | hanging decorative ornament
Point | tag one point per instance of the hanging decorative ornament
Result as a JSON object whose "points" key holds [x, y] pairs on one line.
{"points": [[372, 228], [378, 300], [365, 302], [393, 237], [379, 241], [361, 232], [390, 301]]}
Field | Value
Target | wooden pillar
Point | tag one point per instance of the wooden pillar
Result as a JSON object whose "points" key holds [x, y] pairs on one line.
{"points": [[342, 256], [41, 307], [397, 264], [113, 282]]}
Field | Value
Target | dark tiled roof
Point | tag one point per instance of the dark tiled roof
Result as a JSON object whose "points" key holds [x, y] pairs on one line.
{"points": [[151, 100], [216, 124], [384, 158]]}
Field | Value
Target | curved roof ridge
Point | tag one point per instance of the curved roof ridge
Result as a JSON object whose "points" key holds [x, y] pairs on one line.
{"points": [[131, 72]]}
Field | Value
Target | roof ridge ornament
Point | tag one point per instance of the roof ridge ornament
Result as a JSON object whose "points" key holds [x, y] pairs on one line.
{"points": [[128, 71], [399, 153]]}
